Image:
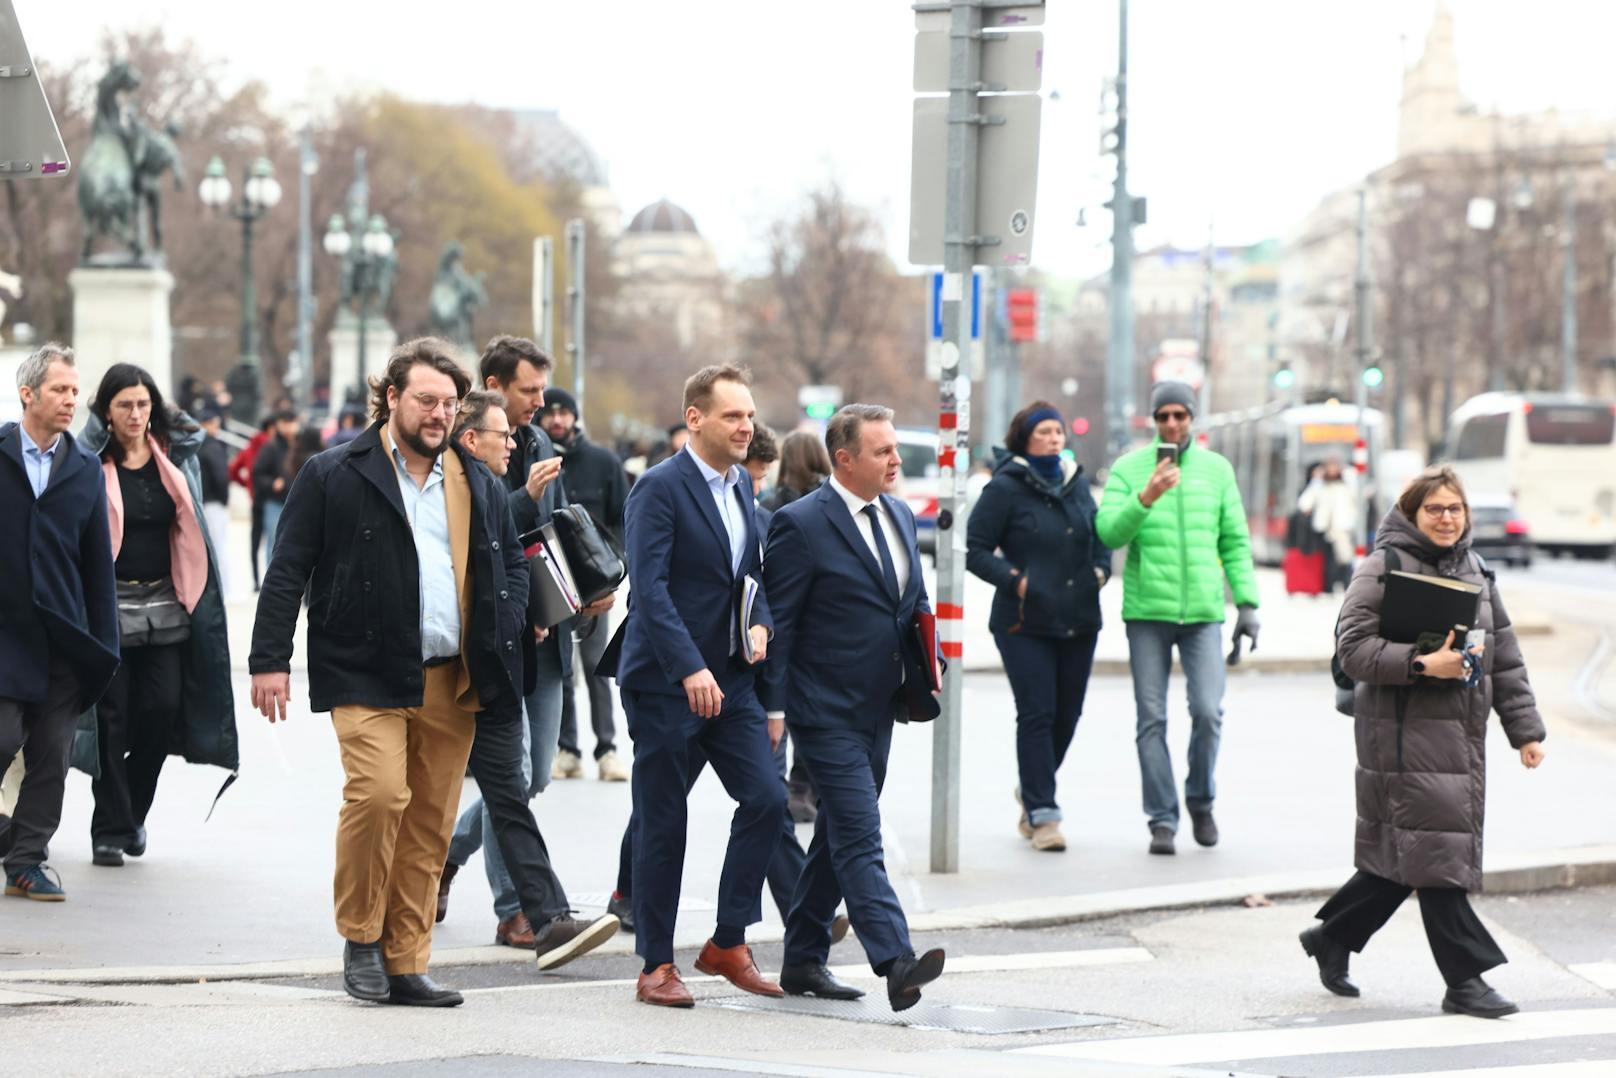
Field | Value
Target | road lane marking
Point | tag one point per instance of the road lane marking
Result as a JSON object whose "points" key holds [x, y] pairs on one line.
{"points": [[1395, 1035]]}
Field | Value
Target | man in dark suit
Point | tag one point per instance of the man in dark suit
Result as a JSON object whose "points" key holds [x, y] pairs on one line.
{"points": [[843, 573], [681, 661], [58, 610]]}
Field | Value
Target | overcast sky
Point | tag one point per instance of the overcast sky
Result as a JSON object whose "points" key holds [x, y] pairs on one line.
{"points": [[1243, 111]]}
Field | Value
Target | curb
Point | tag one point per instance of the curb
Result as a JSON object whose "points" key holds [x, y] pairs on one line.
{"points": [[1548, 870]]}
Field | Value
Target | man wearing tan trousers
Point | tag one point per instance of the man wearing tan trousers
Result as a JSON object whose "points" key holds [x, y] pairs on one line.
{"points": [[403, 670]]}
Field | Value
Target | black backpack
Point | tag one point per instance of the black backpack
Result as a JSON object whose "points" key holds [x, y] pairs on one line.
{"points": [[1344, 685]]}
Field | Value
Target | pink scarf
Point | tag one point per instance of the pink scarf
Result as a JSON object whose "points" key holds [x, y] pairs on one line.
{"points": [[187, 549]]}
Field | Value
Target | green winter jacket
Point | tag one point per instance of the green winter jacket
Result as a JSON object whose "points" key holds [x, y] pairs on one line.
{"points": [[1180, 548]]}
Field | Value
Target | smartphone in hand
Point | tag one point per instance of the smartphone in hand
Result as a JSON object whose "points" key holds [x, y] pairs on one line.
{"points": [[1167, 451]]}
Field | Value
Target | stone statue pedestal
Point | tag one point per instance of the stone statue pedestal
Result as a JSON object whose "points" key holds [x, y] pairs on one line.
{"points": [[344, 340], [121, 316]]}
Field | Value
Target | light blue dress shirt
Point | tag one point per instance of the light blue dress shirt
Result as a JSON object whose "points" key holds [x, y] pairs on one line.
{"points": [[729, 508], [36, 461], [427, 508]]}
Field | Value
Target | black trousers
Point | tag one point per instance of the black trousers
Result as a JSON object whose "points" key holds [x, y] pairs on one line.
{"points": [[496, 764], [43, 733], [257, 536], [1460, 943], [135, 724], [593, 638]]}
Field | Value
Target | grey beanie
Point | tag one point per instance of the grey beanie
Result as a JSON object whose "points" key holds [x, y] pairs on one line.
{"points": [[1172, 393]]}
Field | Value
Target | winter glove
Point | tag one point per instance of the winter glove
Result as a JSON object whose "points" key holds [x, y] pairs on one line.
{"points": [[1247, 625]]}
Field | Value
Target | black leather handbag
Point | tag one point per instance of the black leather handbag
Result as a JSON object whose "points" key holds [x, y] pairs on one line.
{"points": [[596, 561]]}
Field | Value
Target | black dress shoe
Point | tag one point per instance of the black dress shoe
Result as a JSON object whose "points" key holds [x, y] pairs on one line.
{"points": [[1332, 958], [419, 990], [813, 979], [1161, 839], [1478, 999], [137, 845], [908, 974], [363, 974], [623, 910], [106, 856], [1204, 827]]}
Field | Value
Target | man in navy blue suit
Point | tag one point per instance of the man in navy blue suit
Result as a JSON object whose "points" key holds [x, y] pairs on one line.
{"points": [[845, 588], [682, 662]]}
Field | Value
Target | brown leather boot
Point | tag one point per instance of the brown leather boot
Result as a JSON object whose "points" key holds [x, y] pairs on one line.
{"points": [[663, 988], [444, 881], [735, 965], [515, 931]]}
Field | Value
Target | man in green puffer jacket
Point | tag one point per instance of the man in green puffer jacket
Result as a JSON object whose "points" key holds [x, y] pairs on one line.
{"points": [[1185, 529]]}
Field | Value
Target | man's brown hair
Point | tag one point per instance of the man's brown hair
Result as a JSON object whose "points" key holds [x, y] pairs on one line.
{"points": [[845, 429], [505, 354], [1425, 484], [699, 386], [422, 351]]}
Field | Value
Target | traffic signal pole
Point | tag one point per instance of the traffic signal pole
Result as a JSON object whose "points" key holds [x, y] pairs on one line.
{"points": [[1363, 352], [1119, 357]]}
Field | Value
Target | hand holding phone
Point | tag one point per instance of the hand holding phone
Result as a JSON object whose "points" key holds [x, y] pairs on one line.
{"points": [[1164, 478]]}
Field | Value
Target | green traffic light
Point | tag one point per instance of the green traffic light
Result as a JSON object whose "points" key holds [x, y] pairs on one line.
{"points": [[1373, 377], [819, 410], [1284, 378]]}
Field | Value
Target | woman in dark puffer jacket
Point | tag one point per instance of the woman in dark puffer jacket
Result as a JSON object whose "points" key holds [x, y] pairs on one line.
{"points": [[1421, 732]]}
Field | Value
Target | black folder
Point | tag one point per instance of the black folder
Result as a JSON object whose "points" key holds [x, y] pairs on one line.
{"points": [[1420, 609]]}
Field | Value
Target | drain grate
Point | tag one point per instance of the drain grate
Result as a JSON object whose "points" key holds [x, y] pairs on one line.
{"points": [[942, 1017]]}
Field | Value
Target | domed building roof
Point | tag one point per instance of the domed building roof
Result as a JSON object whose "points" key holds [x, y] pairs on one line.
{"points": [[559, 150], [663, 216]]}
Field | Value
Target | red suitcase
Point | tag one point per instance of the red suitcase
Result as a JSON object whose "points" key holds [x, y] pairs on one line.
{"points": [[1304, 573]]}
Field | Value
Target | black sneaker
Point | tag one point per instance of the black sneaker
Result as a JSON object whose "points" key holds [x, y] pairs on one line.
{"points": [[567, 937], [1204, 827], [1161, 839]]}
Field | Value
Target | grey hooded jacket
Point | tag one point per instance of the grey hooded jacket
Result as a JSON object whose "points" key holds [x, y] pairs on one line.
{"points": [[1421, 777]]}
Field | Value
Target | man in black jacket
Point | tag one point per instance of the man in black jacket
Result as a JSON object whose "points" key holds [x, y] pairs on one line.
{"points": [[596, 481], [58, 610], [214, 459], [417, 621], [272, 475]]}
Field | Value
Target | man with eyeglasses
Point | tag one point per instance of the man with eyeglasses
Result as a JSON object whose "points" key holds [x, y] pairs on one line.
{"points": [[1176, 507], [530, 904], [417, 623]]}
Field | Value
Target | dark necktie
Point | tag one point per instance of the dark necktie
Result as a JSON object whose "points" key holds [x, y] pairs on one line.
{"points": [[888, 573]]}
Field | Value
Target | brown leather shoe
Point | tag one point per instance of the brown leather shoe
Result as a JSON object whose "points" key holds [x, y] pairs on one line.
{"points": [[663, 988], [735, 965], [515, 931], [444, 881]]}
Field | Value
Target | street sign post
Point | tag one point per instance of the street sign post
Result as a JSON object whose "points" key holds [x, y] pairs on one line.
{"points": [[543, 286], [1010, 62], [30, 144], [934, 324], [972, 189]]}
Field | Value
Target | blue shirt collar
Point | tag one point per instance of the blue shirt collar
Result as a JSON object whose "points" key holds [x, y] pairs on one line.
{"points": [[729, 478], [28, 445], [399, 462]]}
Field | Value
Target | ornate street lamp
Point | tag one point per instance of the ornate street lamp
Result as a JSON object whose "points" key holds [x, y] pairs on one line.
{"points": [[366, 252], [259, 194]]}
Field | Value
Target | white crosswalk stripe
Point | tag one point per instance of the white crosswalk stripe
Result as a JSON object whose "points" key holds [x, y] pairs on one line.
{"points": [[1448, 1031]]}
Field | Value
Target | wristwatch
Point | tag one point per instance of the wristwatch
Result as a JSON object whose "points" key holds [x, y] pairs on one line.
{"points": [[1418, 665]]}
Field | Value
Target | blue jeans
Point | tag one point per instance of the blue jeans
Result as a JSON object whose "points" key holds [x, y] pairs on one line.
{"points": [[1049, 676], [1150, 657], [474, 828], [272, 523]]}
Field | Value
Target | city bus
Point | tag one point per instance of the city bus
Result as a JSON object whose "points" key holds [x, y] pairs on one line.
{"points": [[1554, 456], [1271, 450]]}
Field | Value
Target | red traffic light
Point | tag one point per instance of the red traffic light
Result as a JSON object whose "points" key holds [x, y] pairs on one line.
{"points": [[1021, 307], [1080, 426]]}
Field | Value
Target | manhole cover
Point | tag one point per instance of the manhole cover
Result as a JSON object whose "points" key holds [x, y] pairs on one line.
{"points": [[944, 1017]]}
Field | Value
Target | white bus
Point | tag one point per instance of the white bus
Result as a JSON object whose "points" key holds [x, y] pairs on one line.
{"points": [[1271, 450], [1554, 456]]}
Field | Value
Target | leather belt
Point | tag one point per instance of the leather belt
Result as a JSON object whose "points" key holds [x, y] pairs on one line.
{"points": [[441, 660]]}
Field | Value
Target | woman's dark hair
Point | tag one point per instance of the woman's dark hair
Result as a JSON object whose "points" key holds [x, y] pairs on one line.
{"points": [[309, 444], [1425, 484], [1020, 431], [122, 376], [804, 463]]}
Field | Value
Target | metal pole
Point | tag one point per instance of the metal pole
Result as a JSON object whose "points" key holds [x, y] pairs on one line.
{"points": [[1119, 352], [1205, 347], [544, 301], [308, 164], [362, 294], [575, 304], [1568, 297], [1362, 352], [954, 416]]}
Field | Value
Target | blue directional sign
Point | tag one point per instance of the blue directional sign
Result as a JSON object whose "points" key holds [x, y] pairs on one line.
{"points": [[935, 306]]}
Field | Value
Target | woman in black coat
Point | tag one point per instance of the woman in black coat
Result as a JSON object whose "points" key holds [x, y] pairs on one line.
{"points": [[804, 467], [1031, 535]]}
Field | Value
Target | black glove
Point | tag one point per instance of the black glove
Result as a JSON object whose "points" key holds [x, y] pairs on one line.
{"points": [[1247, 625]]}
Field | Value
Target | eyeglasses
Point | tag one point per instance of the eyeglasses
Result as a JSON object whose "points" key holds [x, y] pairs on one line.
{"points": [[429, 403], [1178, 416], [1440, 511], [127, 407], [507, 435]]}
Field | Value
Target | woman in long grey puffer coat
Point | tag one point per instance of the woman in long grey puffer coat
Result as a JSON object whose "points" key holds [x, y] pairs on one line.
{"points": [[1421, 777]]}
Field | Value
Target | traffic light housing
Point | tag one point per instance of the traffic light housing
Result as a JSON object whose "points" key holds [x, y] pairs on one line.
{"points": [[1021, 312]]}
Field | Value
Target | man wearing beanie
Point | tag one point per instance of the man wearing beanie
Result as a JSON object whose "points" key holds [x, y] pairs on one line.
{"points": [[1178, 512], [596, 481]]}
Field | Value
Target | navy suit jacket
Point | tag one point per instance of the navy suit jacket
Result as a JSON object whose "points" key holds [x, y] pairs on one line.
{"points": [[682, 593], [844, 653]]}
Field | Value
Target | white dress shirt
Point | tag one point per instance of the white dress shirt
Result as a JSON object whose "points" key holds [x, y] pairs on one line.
{"points": [[889, 527], [730, 510]]}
